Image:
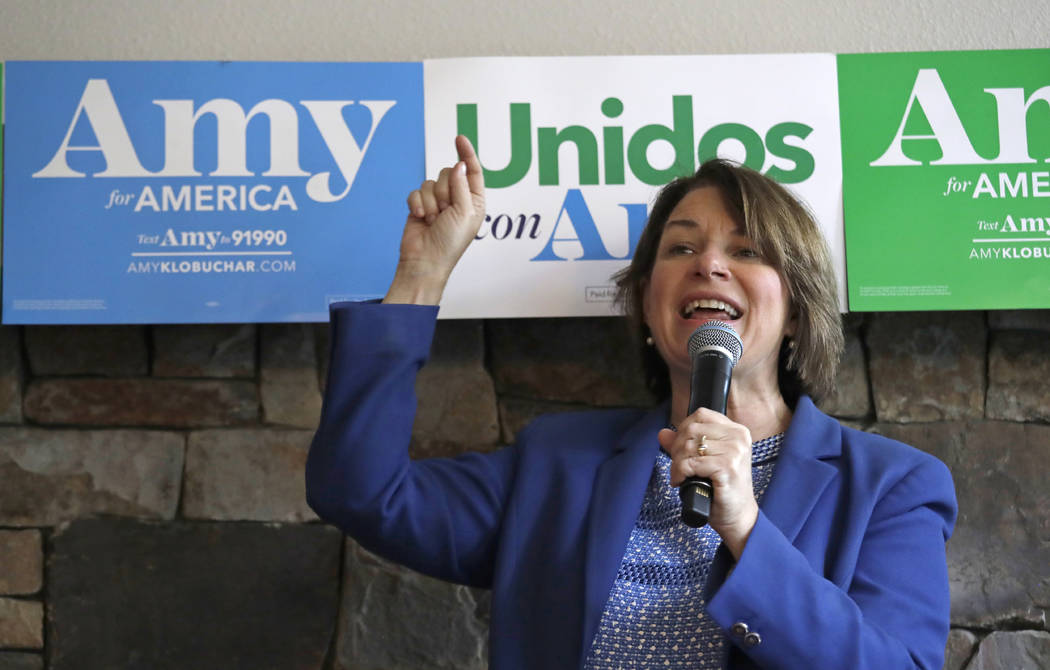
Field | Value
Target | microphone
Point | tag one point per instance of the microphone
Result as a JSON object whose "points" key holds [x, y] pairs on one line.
{"points": [[714, 348]]}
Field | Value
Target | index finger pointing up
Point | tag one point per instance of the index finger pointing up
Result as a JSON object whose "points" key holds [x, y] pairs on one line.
{"points": [[475, 179]]}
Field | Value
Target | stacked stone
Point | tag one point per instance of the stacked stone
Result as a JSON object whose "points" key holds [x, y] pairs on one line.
{"points": [[974, 390], [123, 446], [152, 511]]}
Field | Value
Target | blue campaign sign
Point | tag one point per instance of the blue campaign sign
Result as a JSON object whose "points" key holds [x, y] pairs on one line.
{"points": [[161, 192]]}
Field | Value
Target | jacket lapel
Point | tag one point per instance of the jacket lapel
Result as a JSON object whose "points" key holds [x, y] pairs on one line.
{"points": [[619, 487], [801, 473], [801, 476]]}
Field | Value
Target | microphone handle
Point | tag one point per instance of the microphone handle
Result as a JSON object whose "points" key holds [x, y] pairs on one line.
{"points": [[708, 387]]}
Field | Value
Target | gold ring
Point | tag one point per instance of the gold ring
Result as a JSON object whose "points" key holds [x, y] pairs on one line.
{"points": [[701, 449]]}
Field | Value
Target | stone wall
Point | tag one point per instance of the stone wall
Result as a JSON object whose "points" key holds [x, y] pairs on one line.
{"points": [[152, 512]]}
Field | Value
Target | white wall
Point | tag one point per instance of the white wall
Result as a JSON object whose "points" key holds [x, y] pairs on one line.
{"points": [[287, 30]]}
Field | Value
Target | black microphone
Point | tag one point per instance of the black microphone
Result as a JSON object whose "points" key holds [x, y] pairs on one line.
{"points": [[714, 348]]}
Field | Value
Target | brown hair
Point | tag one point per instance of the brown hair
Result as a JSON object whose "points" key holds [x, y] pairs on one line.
{"points": [[785, 234]]}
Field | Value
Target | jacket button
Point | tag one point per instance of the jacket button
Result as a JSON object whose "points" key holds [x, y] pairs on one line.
{"points": [[740, 629], [752, 640]]}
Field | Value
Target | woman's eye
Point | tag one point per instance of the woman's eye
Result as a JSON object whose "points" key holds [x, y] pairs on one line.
{"points": [[747, 252], [678, 249]]}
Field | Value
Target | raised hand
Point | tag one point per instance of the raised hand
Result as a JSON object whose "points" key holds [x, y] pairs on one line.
{"points": [[443, 217]]}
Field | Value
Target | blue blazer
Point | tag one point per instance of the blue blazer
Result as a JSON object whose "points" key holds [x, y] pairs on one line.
{"points": [[845, 567]]}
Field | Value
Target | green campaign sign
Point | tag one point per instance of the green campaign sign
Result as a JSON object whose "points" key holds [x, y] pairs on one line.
{"points": [[946, 186]]}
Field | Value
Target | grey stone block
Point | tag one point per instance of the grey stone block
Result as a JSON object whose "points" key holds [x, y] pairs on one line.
{"points": [[927, 366], [21, 624], [16, 660], [456, 411], [22, 558], [253, 475], [395, 619], [586, 360], [176, 403], [206, 596], [850, 399], [516, 413], [1020, 319], [322, 345], [109, 351], [10, 375], [1021, 650], [206, 350], [288, 376], [959, 649], [1019, 376], [51, 476], [999, 555]]}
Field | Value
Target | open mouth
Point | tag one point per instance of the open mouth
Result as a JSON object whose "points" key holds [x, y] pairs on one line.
{"points": [[707, 308]]}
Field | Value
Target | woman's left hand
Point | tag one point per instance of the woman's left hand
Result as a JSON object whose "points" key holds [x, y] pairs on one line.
{"points": [[726, 462]]}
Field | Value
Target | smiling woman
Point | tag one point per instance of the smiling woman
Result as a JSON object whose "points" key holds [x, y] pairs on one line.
{"points": [[707, 267], [825, 545], [783, 236]]}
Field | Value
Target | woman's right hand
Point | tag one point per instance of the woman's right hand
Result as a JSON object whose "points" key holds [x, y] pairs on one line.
{"points": [[443, 218]]}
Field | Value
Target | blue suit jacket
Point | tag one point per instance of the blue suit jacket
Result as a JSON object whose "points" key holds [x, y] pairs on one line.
{"points": [[845, 567]]}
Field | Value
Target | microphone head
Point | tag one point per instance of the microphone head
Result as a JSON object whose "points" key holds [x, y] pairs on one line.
{"points": [[716, 335]]}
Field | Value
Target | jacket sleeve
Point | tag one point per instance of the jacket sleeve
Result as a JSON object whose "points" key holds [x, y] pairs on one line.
{"points": [[893, 614], [438, 516]]}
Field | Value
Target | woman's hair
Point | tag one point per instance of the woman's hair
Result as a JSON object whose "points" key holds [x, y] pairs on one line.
{"points": [[785, 234]]}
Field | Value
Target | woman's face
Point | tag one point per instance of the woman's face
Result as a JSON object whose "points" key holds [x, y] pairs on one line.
{"points": [[707, 268]]}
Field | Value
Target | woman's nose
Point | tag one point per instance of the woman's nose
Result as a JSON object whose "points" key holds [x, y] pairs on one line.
{"points": [[712, 263]]}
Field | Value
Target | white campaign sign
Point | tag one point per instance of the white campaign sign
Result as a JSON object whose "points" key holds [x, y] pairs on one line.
{"points": [[575, 149]]}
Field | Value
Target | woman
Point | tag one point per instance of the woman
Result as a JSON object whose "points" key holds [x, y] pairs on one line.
{"points": [[825, 547]]}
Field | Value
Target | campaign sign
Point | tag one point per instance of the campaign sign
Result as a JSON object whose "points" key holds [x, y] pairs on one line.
{"points": [[946, 183], [574, 150], [161, 192], [1, 141]]}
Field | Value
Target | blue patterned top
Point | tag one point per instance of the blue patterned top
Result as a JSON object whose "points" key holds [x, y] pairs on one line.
{"points": [[655, 615]]}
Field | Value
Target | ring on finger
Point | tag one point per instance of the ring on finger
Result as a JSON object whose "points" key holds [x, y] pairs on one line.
{"points": [[701, 449]]}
